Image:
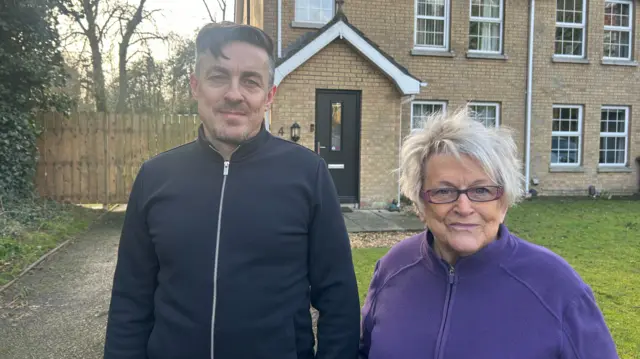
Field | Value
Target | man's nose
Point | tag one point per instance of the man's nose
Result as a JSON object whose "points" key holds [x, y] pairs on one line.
{"points": [[233, 93]]}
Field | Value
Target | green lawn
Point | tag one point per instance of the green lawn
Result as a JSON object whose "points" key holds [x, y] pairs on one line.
{"points": [[599, 238], [28, 230]]}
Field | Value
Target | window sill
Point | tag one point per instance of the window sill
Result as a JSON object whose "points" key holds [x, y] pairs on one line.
{"points": [[614, 169], [619, 62], [307, 25], [488, 56], [569, 60], [566, 169], [417, 51]]}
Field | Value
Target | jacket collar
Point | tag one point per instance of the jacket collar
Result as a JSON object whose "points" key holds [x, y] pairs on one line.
{"points": [[246, 149], [491, 256]]}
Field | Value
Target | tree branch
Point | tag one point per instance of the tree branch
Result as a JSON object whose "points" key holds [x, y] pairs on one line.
{"points": [[209, 11]]}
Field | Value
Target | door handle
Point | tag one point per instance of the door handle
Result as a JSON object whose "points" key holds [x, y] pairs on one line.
{"points": [[319, 147]]}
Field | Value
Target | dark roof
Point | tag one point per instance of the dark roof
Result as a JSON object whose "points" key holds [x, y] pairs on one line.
{"points": [[308, 37]]}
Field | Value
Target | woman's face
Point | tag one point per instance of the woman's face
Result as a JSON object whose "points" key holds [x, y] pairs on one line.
{"points": [[463, 226]]}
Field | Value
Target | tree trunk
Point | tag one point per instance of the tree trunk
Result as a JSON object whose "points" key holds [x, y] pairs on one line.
{"points": [[123, 81], [98, 75]]}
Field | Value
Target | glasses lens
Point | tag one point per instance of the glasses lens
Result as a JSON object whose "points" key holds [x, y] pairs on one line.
{"points": [[481, 194], [443, 195]]}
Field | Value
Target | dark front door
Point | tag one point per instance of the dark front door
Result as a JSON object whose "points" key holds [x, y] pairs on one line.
{"points": [[338, 139]]}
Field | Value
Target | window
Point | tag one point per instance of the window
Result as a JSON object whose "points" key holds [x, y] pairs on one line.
{"points": [[420, 110], [618, 23], [485, 29], [614, 127], [570, 25], [336, 126], [487, 113], [566, 134], [432, 24], [317, 11]]}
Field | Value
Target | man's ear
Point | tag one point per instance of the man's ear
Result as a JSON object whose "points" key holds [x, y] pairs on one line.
{"points": [[271, 95], [193, 81]]}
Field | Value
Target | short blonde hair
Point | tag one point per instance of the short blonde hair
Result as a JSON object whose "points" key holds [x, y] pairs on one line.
{"points": [[460, 134]]}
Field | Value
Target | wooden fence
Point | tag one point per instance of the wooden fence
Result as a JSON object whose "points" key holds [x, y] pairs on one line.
{"points": [[94, 157]]}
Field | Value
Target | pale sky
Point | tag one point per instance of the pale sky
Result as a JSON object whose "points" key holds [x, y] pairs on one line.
{"points": [[183, 17]]}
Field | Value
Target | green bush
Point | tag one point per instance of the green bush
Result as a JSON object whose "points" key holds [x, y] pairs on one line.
{"points": [[17, 154]]}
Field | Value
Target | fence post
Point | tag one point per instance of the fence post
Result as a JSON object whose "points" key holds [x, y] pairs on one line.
{"points": [[106, 131]]}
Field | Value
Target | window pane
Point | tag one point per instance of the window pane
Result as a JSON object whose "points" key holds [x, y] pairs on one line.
{"points": [[485, 8], [336, 126], [422, 111], [431, 7], [484, 36]]}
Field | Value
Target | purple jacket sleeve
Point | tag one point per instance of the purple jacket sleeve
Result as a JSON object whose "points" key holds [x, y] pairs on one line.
{"points": [[586, 335], [368, 312]]}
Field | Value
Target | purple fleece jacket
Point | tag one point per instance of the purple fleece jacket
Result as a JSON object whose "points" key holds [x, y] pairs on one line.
{"points": [[510, 300]]}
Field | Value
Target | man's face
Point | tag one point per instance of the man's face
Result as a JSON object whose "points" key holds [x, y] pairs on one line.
{"points": [[233, 93]]}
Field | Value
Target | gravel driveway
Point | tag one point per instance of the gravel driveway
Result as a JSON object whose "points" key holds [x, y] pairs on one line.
{"points": [[59, 309]]}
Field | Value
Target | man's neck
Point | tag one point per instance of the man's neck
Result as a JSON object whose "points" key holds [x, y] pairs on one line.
{"points": [[225, 149]]}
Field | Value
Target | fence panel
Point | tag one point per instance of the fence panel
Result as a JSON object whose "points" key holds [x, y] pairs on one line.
{"points": [[94, 157]]}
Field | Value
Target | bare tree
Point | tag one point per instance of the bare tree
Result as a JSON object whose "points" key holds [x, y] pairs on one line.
{"points": [[85, 14], [130, 19], [223, 7], [222, 4], [208, 11]]}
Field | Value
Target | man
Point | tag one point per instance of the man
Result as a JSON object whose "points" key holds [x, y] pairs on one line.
{"points": [[228, 240]]}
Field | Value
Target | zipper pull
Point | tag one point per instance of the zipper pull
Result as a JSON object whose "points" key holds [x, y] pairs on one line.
{"points": [[451, 274], [226, 168]]}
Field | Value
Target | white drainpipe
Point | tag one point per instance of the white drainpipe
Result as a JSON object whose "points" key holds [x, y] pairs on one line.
{"points": [[402, 102], [279, 28], [527, 168]]}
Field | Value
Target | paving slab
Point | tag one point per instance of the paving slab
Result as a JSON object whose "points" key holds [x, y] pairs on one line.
{"points": [[408, 222]]}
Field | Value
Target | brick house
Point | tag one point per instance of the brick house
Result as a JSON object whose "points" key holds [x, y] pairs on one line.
{"points": [[358, 76]]}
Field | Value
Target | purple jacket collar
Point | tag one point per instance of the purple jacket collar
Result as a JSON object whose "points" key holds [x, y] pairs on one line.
{"points": [[491, 256]]}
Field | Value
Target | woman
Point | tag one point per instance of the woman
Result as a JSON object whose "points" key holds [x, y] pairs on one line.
{"points": [[466, 288]]}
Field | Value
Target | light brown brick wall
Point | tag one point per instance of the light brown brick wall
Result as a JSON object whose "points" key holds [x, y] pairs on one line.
{"points": [[459, 79], [339, 67], [591, 85]]}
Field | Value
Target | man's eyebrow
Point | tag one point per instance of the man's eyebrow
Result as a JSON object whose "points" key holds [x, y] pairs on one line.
{"points": [[251, 74], [217, 68]]}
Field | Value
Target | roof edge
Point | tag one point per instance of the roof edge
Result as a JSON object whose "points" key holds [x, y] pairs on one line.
{"points": [[340, 27]]}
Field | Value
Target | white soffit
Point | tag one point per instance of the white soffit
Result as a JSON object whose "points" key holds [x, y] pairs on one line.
{"points": [[407, 84]]}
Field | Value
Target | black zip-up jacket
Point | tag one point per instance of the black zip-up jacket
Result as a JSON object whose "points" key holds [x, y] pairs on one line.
{"points": [[239, 249]]}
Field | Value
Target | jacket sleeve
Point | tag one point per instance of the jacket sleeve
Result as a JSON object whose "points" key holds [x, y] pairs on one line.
{"points": [[334, 290], [130, 318], [585, 332], [368, 312]]}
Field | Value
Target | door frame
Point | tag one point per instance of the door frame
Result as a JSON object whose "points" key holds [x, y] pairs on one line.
{"points": [[358, 131]]}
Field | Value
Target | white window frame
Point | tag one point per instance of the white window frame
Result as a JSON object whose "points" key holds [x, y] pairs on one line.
{"points": [[487, 104], [573, 25], [306, 21], [628, 29], [625, 134], [447, 19], [421, 102], [500, 21], [568, 134]]}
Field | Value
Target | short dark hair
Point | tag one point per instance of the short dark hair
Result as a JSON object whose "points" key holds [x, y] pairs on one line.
{"points": [[214, 36]]}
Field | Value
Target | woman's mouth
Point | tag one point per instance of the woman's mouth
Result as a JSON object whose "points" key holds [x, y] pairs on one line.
{"points": [[458, 226]]}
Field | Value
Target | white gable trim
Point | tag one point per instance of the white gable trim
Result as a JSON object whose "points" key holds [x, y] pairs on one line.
{"points": [[407, 84]]}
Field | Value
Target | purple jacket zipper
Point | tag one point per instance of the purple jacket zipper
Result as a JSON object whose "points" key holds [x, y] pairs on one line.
{"points": [[444, 327]]}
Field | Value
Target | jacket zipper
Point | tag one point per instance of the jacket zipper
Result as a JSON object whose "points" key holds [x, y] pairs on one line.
{"points": [[225, 174], [444, 326]]}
